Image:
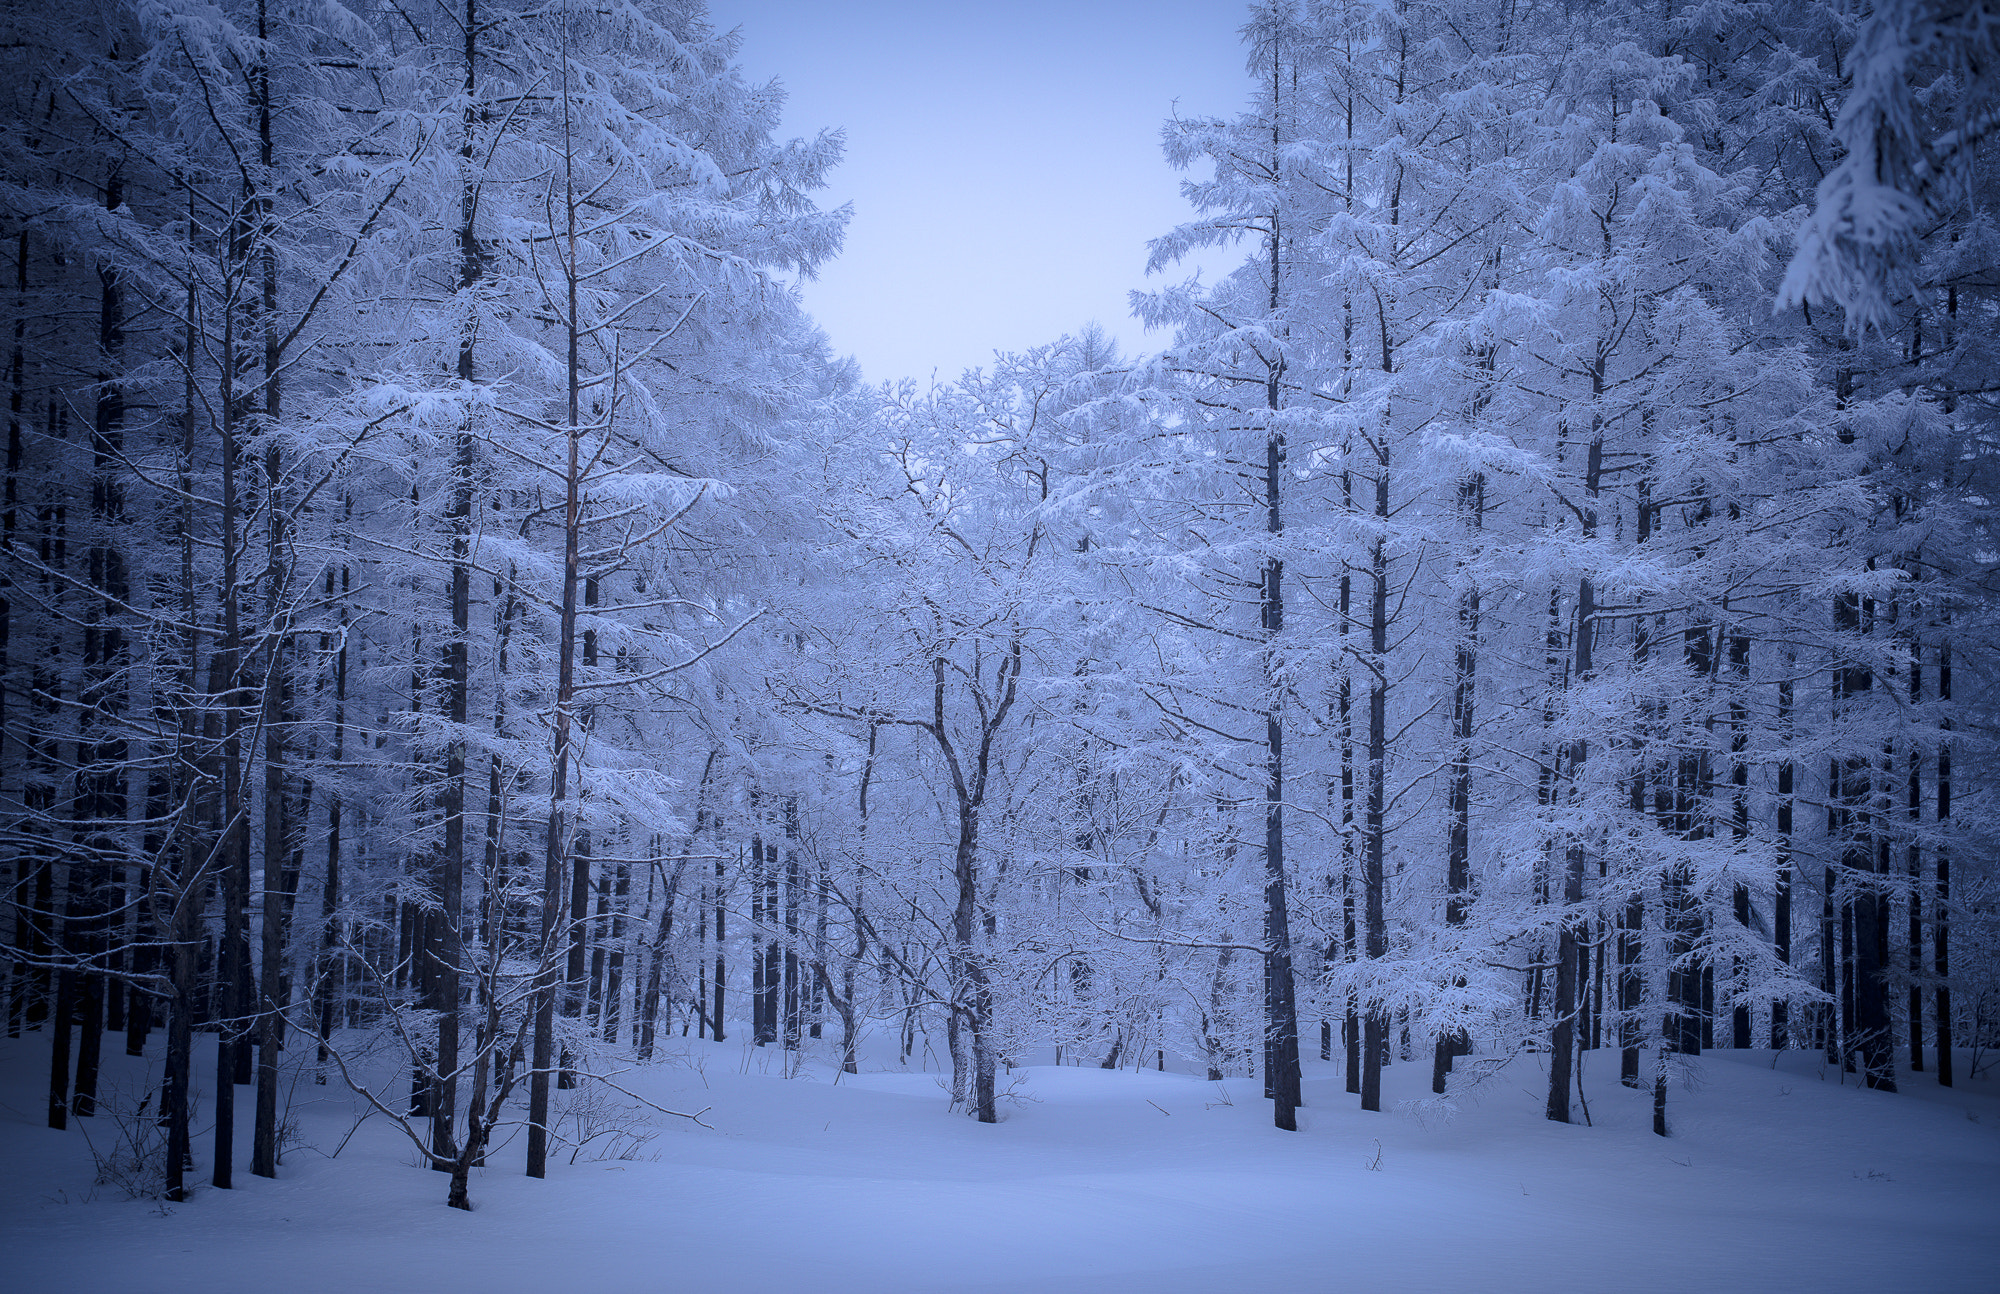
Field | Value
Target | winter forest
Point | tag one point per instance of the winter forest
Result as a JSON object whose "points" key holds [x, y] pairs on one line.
{"points": [[476, 664]]}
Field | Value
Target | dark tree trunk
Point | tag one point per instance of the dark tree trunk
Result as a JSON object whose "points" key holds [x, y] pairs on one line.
{"points": [[793, 896], [1465, 669], [449, 946], [649, 1004], [329, 978], [556, 846], [446, 947], [233, 954], [86, 938], [614, 955], [849, 1029], [277, 832], [715, 1025], [189, 849], [1915, 868], [1562, 1033], [577, 988], [20, 975], [1781, 920], [764, 954], [101, 751], [1828, 1017], [1864, 915], [59, 1049], [1941, 899], [179, 1070], [970, 1017], [1632, 918], [1739, 808], [1350, 936], [600, 951], [1374, 1041]]}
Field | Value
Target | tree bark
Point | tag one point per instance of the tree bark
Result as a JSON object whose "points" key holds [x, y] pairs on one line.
{"points": [[1465, 669], [1941, 901], [556, 844], [1781, 920], [1375, 1025]]}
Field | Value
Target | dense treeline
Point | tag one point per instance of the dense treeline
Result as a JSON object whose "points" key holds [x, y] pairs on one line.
{"points": [[455, 604]]}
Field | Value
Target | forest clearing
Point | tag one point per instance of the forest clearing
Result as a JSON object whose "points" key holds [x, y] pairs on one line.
{"points": [[1120, 1181]]}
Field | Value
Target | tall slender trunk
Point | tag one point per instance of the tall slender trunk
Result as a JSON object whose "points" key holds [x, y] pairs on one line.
{"points": [[1739, 819], [190, 847], [1914, 860], [1781, 917], [1350, 934], [1583, 667], [1683, 912], [20, 977], [555, 848], [969, 1024], [1465, 671], [1374, 834], [329, 978], [1941, 898], [62, 1013], [793, 1003], [100, 807], [815, 984], [1632, 920], [577, 980], [1861, 908], [1562, 1032], [715, 1025], [849, 1030], [614, 950], [1281, 1017], [55, 782], [447, 950], [763, 971], [234, 954], [1281, 1023], [275, 720]]}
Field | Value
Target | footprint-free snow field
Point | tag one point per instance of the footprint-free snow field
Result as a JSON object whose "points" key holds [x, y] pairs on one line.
{"points": [[1777, 1177]]}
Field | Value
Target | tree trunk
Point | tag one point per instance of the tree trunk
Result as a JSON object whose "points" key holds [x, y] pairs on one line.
{"points": [[447, 945], [1914, 859], [20, 975], [577, 979], [794, 884], [190, 847], [715, 1025], [1863, 917], [328, 980], [555, 847], [1465, 665], [1781, 919], [1941, 900], [233, 954], [1739, 817], [1632, 918], [1375, 1027]]}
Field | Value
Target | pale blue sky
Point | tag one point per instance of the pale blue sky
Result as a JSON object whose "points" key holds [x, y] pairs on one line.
{"points": [[1003, 159]]}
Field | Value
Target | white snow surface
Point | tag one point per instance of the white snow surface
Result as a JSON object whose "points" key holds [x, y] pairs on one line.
{"points": [[1776, 1177]]}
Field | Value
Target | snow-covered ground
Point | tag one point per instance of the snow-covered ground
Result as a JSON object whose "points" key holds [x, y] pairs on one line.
{"points": [[1777, 1178]]}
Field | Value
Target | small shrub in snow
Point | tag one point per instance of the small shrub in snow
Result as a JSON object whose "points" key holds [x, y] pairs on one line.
{"points": [[134, 1161]]}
